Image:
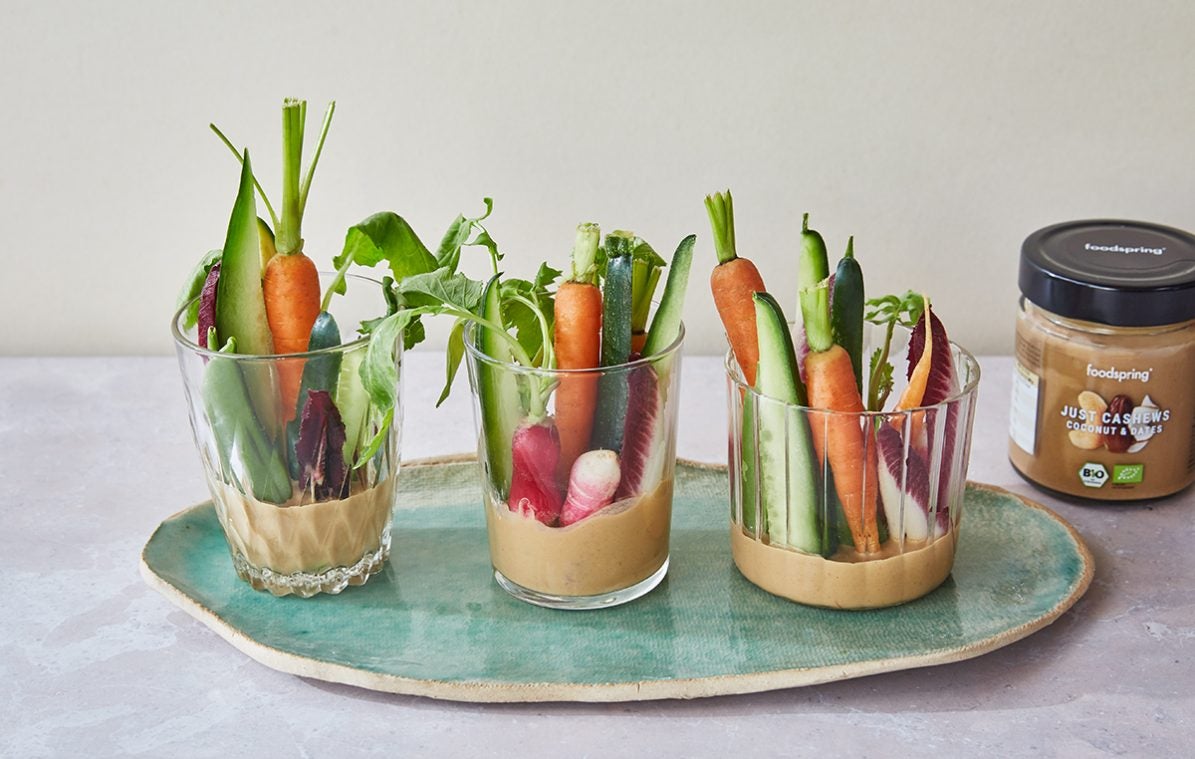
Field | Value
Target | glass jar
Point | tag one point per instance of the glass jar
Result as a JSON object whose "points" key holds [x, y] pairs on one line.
{"points": [[901, 545], [293, 527], [555, 541], [1103, 397]]}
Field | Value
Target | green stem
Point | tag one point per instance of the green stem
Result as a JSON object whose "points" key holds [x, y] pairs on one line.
{"points": [[336, 283], [720, 208], [850, 246], [241, 159], [875, 402], [585, 253], [516, 347], [549, 361], [290, 233], [319, 148]]}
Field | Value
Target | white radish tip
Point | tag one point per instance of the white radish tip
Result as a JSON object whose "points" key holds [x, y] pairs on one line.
{"points": [[597, 464]]}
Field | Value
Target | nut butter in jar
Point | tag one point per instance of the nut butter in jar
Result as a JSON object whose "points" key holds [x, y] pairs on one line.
{"points": [[1103, 398]]}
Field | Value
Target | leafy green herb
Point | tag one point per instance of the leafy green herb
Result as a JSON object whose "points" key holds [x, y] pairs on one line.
{"points": [[527, 307], [442, 288], [457, 236], [385, 237], [888, 311], [456, 351]]}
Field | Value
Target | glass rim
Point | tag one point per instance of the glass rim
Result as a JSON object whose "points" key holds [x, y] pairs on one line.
{"points": [[182, 341], [470, 343], [735, 375]]}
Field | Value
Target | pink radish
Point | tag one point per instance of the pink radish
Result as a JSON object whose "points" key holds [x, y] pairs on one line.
{"points": [[591, 485], [535, 451]]}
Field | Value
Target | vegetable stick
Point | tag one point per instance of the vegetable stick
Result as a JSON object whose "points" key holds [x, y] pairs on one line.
{"points": [[830, 382], [733, 281], [577, 339], [846, 309], [292, 295], [611, 412]]}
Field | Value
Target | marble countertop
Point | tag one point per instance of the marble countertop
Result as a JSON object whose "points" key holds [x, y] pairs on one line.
{"points": [[94, 452]]}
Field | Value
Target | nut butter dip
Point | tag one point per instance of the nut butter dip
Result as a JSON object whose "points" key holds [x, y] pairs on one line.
{"points": [[624, 543], [1103, 398]]}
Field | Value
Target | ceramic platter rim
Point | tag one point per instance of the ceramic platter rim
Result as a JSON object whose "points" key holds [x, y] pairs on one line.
{"points": [[668, 688]]}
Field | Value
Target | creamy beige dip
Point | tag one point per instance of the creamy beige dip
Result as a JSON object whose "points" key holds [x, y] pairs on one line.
{"points": [[848, 580], [613, 549], [312, 537]]}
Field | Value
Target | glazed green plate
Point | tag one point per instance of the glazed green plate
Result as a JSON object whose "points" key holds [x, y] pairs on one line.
{"points": [[434, 622]]}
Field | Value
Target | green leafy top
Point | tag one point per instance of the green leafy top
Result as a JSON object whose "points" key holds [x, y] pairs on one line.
{"points": [[888, 311]]}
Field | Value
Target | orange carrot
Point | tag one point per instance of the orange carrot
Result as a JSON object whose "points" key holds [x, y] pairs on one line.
{"points": [[291, 283], [292, 294], [830, 381], [914, 393], [577, 340], [638, 340], [733, 282]]}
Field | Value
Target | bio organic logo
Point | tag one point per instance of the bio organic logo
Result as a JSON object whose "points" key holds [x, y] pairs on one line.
{"points": [[1128, 474], [1093, 474]]}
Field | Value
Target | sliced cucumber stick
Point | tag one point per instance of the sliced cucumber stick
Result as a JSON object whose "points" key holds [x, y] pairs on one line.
{"points": [[788, 479], [498, 393]]}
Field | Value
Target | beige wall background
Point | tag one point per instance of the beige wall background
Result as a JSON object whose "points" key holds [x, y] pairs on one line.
{"points": [[938, 133]]}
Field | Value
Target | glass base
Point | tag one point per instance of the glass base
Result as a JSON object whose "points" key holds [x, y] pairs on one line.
{"points": [[578, 603], [308, 584]]}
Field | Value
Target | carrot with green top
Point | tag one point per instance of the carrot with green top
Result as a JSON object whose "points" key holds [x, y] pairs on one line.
{"points": [[839, 439], [734, 281], [577, 339], [291, 283]]}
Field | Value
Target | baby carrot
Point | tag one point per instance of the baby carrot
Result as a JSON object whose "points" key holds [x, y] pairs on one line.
{"points": [[578, 319], [734, 281], [291, 282], [830, 381]]}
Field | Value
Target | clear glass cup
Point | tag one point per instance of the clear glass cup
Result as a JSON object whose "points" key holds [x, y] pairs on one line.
{"points": [[548, 547], [294, 528], [791, 533]]}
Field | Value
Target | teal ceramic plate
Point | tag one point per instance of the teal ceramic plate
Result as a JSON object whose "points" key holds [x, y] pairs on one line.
{"points": [[435, 623]]}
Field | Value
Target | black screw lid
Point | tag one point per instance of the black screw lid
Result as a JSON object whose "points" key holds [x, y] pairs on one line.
{"points": [[1120, 273]]}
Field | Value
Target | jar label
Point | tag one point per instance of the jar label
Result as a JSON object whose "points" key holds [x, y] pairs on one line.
{"points": [[1022, 423]]}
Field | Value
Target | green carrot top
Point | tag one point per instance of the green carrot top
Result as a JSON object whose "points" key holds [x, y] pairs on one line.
{"points": [[585, 250], [289, 225], [720, 207]]}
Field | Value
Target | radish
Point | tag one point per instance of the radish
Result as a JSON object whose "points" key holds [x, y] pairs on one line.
{"points": [[535, 453], [643, 448], [591, 485]]}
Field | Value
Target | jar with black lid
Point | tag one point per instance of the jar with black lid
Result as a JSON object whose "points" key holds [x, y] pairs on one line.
{"points": [[1103, 399]]}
